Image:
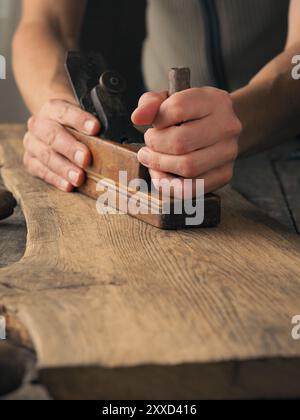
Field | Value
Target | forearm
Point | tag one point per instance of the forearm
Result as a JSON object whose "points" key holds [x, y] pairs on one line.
{"points": [[269, 106], [38, 61]]}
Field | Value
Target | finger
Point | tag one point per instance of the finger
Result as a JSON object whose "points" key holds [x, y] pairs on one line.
{"points": [[53, 161], [190, 105], [37, 169], [71, 116], [60, 140], [148, 108], [213, 180], [193, 164], [185, 138], [218, 178], [176, 187]]}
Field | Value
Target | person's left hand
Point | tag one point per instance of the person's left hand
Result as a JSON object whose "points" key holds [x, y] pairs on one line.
{"points": [[195, 135]]}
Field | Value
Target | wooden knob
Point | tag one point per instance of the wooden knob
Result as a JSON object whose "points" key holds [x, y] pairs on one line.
{"points": [[7, 204], [179, 80]]}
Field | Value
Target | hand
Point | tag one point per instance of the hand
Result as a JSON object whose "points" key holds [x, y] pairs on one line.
{"points": [[51, 152], [195, 135]]}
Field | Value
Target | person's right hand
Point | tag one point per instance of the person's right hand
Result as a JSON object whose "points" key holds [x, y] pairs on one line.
{"points": [[51, 152]]}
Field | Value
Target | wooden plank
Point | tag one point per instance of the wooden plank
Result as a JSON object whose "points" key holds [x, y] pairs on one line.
{"points": [[256, 180], [13, 234], [13, 231], [289, 174], [117, 309]]}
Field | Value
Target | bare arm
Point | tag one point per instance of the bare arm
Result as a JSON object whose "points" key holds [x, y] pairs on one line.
{"points": [[47, 30], [207, 144], [269, 106]]}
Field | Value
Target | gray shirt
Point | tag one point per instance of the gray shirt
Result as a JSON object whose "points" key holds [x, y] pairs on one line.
{"points": [[234, 38]]}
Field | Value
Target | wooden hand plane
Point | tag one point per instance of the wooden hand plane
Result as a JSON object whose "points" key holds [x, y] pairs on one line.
{"points": [[100, 92]]}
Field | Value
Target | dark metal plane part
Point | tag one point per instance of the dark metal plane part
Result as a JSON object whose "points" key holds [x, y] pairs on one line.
{"points": [[99, 91]]}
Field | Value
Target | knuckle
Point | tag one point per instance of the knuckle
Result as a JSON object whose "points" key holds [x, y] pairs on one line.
{"points": [[223, 98], [45, 156], [26, 140], [177, 109], [70, 150], [155, 162], [234, 151], [149, 97], [238, 126], [146, 96], [179, 142], [231, 151], [57, 108], [209, 91], [233, 127], [187, 167], [41, 172], [149, 138], [50, 178], [178, 147], [227, 173], [50, 136], [62, 111], [30, 122], [78, 116]]}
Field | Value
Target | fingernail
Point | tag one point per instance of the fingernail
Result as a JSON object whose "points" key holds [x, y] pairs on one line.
{"points": [[144, 156], [64, 184], [74, 177], [79, 158], [89, 126]]}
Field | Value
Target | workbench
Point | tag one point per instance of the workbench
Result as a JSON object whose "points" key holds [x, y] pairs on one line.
{"points": [[104, 306]]}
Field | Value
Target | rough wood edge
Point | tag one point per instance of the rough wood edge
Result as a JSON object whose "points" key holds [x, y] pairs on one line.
{"points": [[253, 379], [16, 330]]}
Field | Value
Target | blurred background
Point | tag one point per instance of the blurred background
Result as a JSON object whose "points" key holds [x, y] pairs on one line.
{"points": [[11, 105]]}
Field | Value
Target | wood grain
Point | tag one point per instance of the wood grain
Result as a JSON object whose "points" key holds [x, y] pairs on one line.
{"points": [[256, 181], [117, 309], [288, 172], [13, 234], [109, 158]]}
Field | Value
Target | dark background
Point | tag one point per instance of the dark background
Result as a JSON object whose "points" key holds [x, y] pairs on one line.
{"points": [[117, 29]]}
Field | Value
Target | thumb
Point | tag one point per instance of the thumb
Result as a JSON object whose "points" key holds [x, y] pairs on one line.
{"points": [[148, 107]]}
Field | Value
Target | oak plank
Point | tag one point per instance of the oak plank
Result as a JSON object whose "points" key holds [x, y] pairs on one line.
{"points": [[13, 234], [256, 179], [115, 308], [289, 175]]}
